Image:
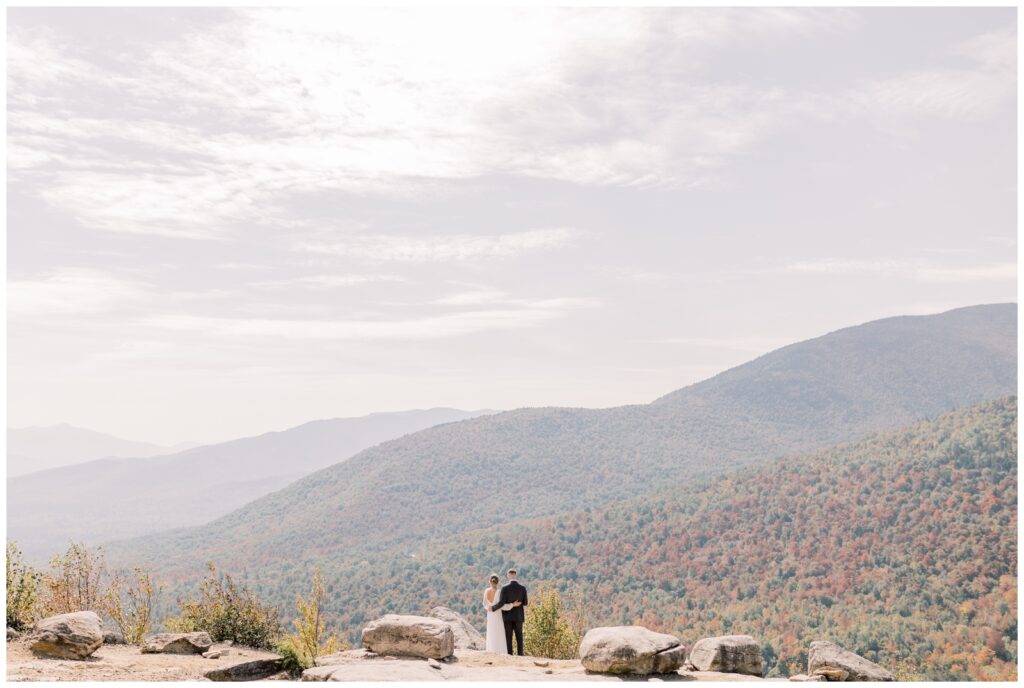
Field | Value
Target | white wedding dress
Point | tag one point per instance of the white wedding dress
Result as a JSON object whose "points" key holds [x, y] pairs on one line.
{"points": [[495, 626]]}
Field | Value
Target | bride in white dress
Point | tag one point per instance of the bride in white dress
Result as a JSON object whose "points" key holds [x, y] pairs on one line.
{"points": [[495, 626]]}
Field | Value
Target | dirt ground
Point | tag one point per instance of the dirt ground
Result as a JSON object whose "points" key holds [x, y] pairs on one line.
{"points": [[119, 663], [127, 663]]}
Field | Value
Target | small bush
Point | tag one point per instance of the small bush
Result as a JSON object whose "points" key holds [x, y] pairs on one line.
{"points": [[24, 591], [129, 604], [550, 630], [290, 660], [228, 612], [76, 583]]}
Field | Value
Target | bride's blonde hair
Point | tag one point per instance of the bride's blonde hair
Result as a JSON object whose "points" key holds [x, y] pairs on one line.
{"points": [[493, 578]]}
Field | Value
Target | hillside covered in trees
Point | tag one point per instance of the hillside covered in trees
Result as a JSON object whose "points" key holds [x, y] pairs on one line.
{"points": [[442, 481], [902, 546]]}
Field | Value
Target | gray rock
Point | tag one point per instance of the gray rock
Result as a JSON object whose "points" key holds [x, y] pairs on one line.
{"points": [[466, 637], [319, 673], [434, 664], [256, 670], [70, 636], [800, 678], [344, 656], [113, 638], [630, 650], [195, 643], [213, 654], [12, 634], [836, 664], [730, 654], [409, 636]]}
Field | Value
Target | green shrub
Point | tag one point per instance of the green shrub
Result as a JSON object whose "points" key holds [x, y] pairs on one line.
{"points": [[228, 612], [550, 630], [290, 659], [24, 591]]}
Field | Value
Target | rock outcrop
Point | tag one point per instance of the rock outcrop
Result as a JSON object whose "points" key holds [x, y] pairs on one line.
{"points": [[70, 636], [344, 656], [396, 670], [256, 670], [630, 650], [731, 654], [410, 636], [466, 637], [12, 634], [836, 664], [177, 643], [801, 678]]}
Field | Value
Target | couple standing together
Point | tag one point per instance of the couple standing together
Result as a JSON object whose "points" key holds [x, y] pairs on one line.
{"points": [[505, 613]]}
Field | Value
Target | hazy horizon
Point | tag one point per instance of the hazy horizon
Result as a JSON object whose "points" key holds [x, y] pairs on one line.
{"points": [[228, 221]]}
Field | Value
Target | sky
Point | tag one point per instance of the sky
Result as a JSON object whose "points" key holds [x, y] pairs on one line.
{"points": [[222, 222]]}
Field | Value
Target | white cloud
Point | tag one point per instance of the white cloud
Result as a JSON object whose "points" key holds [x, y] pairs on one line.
{"points": [[441, 248], [333, 281], [909, 269], [247, 114], [986, 85], [1001, 272], [277, 102], [472, 298], [73, 291], [530, 314]]}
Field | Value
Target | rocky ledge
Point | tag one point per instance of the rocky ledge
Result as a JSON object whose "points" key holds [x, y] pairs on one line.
{"points": [[475, 665]]}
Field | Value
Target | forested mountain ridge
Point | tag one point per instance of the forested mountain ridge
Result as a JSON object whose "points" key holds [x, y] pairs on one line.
{"points": [[533, 462], [902, 547], [116, 498], [795, 383]]}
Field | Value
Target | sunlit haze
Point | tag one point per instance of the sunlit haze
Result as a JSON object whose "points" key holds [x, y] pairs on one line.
{"points": [[224, 222]]}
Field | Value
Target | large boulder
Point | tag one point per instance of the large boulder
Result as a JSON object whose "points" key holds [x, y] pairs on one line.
{"points": [[70, 636], [466, 637], [12, 634], [836, 664], [630, 650], [177, 643], [731, 654], [409, 636], [255, 670]]}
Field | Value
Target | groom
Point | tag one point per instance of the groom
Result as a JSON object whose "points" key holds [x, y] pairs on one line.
{"points": [[513, 593]]}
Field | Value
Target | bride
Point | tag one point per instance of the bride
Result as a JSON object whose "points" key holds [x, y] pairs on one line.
{"points": [[495, 626]]}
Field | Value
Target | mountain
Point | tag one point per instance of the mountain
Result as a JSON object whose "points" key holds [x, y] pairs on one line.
{"points": [[902, 547], [531, 463], [107, 499], [37, 449]]}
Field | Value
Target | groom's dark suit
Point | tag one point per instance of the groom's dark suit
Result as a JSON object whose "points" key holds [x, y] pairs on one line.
{"points": [[513, 591]]}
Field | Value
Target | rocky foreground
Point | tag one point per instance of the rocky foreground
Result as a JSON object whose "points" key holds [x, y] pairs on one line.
{"points": [[396, 647], [127, 663], [124, 663]]}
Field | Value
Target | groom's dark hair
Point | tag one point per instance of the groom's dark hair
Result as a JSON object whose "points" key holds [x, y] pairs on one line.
{"points": [[512, 572]]}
